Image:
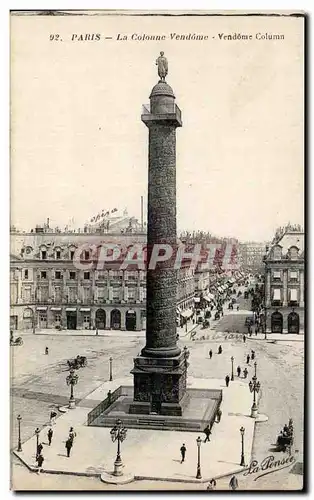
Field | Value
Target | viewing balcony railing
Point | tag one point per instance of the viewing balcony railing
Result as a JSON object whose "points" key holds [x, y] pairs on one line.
{"points": [[170, 108]]}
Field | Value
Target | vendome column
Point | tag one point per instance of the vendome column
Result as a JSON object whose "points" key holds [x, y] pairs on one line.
{"points": [[160, 371]]}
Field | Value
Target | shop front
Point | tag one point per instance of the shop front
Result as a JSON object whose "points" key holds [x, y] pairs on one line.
{"points": [[71, 315], [56, 317], [85, 318], [42, 317]]}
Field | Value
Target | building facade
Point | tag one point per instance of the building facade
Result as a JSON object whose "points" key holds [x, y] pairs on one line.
{"points": [[49, 291], [251, 255], [284, 283]]}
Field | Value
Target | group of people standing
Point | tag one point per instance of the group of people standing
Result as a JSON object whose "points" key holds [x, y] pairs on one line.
{"points": [[68, 443]]}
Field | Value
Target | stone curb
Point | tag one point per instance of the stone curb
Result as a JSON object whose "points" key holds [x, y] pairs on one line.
{"points": [[136, 477]]}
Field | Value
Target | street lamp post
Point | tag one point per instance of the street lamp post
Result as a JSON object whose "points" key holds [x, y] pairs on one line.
{"points": [[242, 431], [110, 369], [232, 375], [72, 380], [34, 325], [198, 472], [118, 433], [19, 444], [37, 431], [254, 386]]}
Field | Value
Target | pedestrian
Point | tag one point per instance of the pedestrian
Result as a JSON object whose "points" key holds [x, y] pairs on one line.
{"points": [[227, 379], [46, 350], [212, 484], [50, 434], [68, 445], [40, 460], [252, 354], [53, 418], [248, 359], [72, 434], [207, 432], [96, 331], [233, 483], [218, 416], [245, 372], [244, 338], [39, 450], [238, 307], [109, 397], [183, 452], [256, 329], [239, 371], [219, 349], [210, 354]]}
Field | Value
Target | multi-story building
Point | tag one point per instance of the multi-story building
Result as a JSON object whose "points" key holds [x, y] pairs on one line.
{"points": [[251, 255], [284, 283], [49, 291]]}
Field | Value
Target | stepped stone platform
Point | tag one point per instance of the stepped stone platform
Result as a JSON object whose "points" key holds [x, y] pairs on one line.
{"points": [[200, 410]]}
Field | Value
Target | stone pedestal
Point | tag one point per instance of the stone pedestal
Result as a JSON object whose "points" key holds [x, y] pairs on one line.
{"points": [[159, 385]]}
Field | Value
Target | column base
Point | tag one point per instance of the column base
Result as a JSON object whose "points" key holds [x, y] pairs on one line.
{"points": [[160, 385], [72, 403]]}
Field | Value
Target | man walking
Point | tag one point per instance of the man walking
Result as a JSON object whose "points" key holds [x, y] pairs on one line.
{"points": [[210, 354], [50, 434], [227, 379], [72, 434], [244, 338], [207, 433], [40, 460], [218, 416], [219, 349], [245, 372], [239, 371], [248, 359], [233, 483], [39, 450], [252, 354], [183, 452], [68, 445]]}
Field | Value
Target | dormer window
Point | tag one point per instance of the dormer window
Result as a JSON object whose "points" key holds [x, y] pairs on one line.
{"points": [[293, 253], [44, 254], [58, 254], [277, 252]]}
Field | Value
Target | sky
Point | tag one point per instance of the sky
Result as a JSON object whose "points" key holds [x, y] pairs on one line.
{"points": [[78, 144]]}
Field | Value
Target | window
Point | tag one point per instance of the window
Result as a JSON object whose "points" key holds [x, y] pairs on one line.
{"points": [[86, 255], [132, 275], [293, 295], [277, 252], [72, 254], [100, 293], [58, 275], [58, 294], [277, 275], [276, 294], [293, 252], [116, 293], [43, 275], [43, 254], [86, 275], [58, 318], [131, 293], [26, 274], [294, 275], [72, 275], [100, 275], [58, 254]]}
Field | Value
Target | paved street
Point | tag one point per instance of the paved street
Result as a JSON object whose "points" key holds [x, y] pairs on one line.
{"points": [[39, 384]]}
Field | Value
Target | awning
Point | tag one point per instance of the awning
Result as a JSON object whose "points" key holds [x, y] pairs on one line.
{"points": [[55, 308], [293, 294], [178, 310], [41, 308], [187, 313], [197, 299], [277, 294], [70, 309], [85, 309]]}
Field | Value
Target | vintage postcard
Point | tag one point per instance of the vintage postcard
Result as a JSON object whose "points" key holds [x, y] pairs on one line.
{"points": [[157, 250]]}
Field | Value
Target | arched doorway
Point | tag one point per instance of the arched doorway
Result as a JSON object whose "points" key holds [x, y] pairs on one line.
{"points": [[115, 319], [28, 318], [130, 320], [100, 319], [293, 322], [276, 322]]}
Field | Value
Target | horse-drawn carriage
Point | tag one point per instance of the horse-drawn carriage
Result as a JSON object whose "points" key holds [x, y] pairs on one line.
{"points": [[17, 341], [285, 438], [78, 362], [217, 315], [205, 324]]}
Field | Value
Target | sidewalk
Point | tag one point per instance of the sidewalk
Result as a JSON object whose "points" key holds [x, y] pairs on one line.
{"points": [[278, 337], [149, 454]]}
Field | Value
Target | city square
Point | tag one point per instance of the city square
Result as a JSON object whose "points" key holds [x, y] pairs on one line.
{"points": [[159, 346]]}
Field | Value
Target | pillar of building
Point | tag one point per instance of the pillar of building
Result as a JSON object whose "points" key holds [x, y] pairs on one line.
{"points": [[108, 318], [160, 371], [123, 312], [301, 288], [138, 319], [268, 288], [285, 288]]}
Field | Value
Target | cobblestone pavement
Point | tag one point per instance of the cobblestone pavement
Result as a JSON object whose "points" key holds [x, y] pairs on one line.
{"points": [[39, 384]]}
